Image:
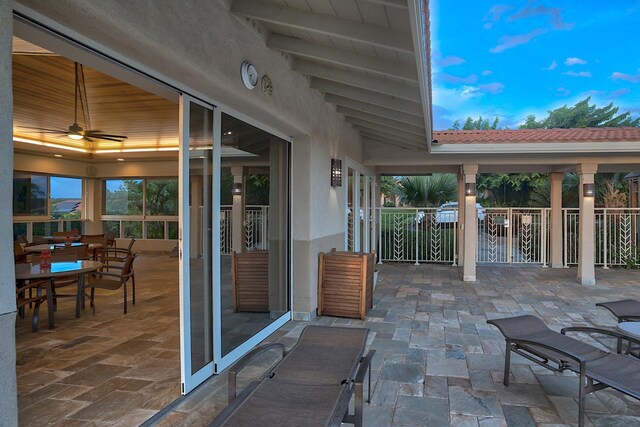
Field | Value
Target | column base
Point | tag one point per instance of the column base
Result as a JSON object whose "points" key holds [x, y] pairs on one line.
{"points": [[560, 265], [304, 316], [587, 281], [468, 278]]}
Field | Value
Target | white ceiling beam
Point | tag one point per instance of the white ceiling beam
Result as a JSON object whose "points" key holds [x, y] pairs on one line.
{"points": [[342, 57], [324, 24], [367, 96], [419, 22], [353, 104], [401, 4], [410, 136], [394, 142], [314, 69], [348, 112]]}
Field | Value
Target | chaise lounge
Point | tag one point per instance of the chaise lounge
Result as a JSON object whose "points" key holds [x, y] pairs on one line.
{"points": [[310, 386], [530, 337], [626, 310]]}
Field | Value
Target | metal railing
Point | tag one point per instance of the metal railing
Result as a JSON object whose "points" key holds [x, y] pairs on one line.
{"points": [[416, 235], [506, 235], [256, 228]]}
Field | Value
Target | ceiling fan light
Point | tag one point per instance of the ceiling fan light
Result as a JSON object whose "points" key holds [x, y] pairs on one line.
{"points": [[75, 136]]}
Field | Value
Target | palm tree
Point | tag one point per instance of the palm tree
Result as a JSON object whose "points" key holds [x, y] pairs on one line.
{"points": [[610, 191], [428, 191]]}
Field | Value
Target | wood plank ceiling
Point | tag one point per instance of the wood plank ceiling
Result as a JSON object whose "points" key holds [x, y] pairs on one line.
{"points": [[359, 53]]}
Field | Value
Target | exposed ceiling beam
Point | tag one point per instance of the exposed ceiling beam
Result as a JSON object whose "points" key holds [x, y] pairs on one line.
{"points": [[390, 130], [401, 4], [382, 120], [394, 142], [367, 96], [324, 24], [314, 69], [342, 57], [376, 110]]}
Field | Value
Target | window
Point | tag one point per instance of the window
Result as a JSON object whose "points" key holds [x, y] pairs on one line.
{"points": [[141, 208], [30, 194]]}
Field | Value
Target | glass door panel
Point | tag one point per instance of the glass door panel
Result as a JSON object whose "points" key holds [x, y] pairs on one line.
{"points": [[197, 168], [254, 263]]}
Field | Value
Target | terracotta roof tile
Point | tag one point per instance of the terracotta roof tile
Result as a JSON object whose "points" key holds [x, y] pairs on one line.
{"points": [[515, 136]]}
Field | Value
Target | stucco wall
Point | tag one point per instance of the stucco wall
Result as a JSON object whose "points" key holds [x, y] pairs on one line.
{"points": [[8, 389]]}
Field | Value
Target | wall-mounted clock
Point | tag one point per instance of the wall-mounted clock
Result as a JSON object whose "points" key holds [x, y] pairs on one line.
{"points": [[267, 85], [249, 75]]}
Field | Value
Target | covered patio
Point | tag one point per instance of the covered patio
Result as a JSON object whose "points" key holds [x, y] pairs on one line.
{"points": [[437, 361]]}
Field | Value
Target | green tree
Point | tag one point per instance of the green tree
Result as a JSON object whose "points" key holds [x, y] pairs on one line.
{"points": [[509, 189], [611, 191], [582, 115], [389, 187], [480, 124], [428, 191]]}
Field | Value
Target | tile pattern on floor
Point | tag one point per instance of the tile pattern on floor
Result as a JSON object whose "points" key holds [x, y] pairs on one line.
{"points": [[437, 361]]}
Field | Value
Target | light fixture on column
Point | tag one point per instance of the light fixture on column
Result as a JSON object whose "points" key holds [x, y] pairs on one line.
{"points": [[336, 172], [588, 190], [236, 189], [470, 189]]}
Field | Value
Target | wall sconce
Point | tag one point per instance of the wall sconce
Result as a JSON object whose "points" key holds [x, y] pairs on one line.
{"points": [[236, 189], [470, 189], [336, 172], [588, 190]]}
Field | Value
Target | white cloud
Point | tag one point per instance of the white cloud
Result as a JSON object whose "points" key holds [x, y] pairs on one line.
{"points": [[450, 60], [574, 61], [579, 74], [487, 72], [449, 78], [508, 42], [627, 77], [492, 88], [563, 91], [495, 13], [532, 10], [551, 66]]}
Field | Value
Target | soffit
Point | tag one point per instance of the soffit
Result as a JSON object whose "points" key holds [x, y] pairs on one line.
{"points": [[358, 53]]}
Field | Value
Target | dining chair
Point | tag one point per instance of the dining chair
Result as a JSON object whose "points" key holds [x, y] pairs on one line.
{"points": [[64, 254], [98, 241], [19, 254], [111, 239], [112, 278], [24, 298]]}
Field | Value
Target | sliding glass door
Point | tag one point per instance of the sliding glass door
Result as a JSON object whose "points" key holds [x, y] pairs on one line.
{"points": [[235, 270]]}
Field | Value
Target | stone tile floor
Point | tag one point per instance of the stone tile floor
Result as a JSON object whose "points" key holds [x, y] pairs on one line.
{"points": [[438, 363]]}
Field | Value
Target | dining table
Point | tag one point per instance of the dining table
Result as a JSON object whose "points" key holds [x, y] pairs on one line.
{"points": [[49, 246], [29, 271]]}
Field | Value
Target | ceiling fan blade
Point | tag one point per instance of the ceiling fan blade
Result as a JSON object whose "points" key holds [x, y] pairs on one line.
{"points": [[86, 138], [98, 134], [47, 130], [108, 138]]}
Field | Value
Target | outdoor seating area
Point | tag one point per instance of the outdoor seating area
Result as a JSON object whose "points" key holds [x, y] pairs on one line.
{"points": [[438, 362]]}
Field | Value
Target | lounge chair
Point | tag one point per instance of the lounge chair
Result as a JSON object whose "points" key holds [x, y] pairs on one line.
{"points": [[530, 337], [626, 310], [310, 386]]}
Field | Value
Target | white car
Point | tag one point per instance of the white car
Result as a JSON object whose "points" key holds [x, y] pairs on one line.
{"points": [[448, 213]]}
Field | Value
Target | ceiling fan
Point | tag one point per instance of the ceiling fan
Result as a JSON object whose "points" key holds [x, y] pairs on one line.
{"points": [[75, 131]]}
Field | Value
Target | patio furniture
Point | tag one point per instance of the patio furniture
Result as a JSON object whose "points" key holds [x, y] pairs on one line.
{"points": [[345, 284], [310, 386], [115, 259], [23, 299], [250, 281], [19, 255], [624, 310], [530, 337], [112, 280], [96, 242]]}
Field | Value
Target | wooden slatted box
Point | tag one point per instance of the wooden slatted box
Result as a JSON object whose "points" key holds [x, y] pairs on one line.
{"points": [[345, 285], [250, 279]]}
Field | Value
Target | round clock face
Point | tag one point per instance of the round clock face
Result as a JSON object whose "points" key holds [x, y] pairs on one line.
{"points": [[267, 85], [249, 75]]}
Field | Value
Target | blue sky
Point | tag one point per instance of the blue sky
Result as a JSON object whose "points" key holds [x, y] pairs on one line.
{"points": [[67, 188], [515, 58]]}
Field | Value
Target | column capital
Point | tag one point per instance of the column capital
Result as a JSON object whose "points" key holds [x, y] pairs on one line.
{"points": [[584, 168], [469, 169], [556, 176]]}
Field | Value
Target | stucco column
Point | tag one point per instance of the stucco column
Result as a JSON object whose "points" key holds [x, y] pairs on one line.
{"points": [[237, 212], [586, 249], [470, 227], [8, 388], [92, 206], [555, 182], [460, 223]]}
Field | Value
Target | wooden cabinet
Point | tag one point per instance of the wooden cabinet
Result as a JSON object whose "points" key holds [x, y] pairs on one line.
{"points": [[345, 284]]}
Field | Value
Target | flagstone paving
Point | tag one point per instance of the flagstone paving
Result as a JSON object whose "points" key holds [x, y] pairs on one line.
{"points": [[438, 363]]}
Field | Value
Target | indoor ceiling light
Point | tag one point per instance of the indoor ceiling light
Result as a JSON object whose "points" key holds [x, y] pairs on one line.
{"points": [[48, 144], [75, 136]]}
